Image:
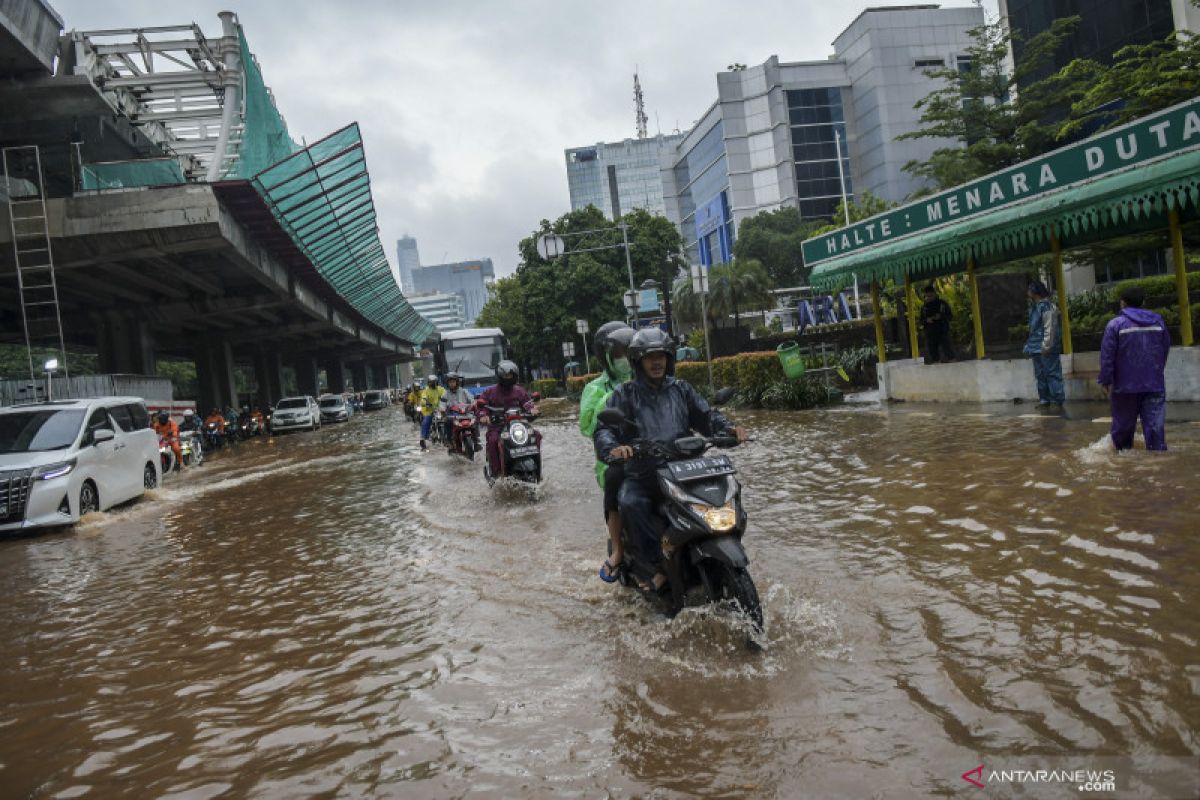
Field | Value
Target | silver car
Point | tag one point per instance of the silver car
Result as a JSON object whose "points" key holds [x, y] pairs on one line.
{"points": [[334, 408], [296, 413], [61, 460]]}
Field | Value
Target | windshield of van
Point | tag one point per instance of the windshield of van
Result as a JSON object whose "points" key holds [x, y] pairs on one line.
{"points": [[37, 430], [332, 402], [295, 402]]}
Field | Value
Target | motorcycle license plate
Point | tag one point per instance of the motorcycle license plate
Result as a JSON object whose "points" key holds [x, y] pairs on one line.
{"points": [[521, 452], [697, 468]]}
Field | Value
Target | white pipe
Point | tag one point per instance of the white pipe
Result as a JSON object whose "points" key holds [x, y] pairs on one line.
{"points": [[231, 62]]}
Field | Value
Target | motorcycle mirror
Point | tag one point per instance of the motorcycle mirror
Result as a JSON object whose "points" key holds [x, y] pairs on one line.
{"points": [[611, 416], [722, 396], [536, 395]]}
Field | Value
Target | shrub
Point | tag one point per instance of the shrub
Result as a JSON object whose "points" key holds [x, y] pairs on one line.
{"points": [[575, 384], [548, 387], [695, 340]]}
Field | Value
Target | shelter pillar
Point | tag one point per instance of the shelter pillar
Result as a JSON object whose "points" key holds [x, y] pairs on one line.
{"points": [[335, 375], [1061, 284], [910, 300], [307, 379], [358, 376], [268, 374], [214, 373], [1181, 286], [877, 312], [976, 317]]}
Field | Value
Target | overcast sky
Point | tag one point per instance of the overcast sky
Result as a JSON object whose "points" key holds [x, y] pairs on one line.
{"points": [[466, 106]]}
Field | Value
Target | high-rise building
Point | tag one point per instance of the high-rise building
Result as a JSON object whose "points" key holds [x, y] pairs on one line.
{"points": [[771, 140], [444, 310], [1105, 26], [467, 279], [408, 260], [617, 177]]}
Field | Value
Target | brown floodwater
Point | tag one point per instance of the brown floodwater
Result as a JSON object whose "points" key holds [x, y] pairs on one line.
{"points": [[340, 615]]}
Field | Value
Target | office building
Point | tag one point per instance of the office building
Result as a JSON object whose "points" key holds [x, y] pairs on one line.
{"points": [[1105, 26], [617, 177], [467, 279], [771, 139], [408, 260], [444, 310]]}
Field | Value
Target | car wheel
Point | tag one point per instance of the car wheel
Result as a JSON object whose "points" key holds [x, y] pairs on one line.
{"points": [[149, 476], [89, 498]]}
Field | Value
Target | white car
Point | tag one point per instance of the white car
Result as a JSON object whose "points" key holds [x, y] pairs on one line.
{"points": [[61, 460], [292, 413]]}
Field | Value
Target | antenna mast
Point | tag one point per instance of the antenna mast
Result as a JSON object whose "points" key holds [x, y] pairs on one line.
{"points": [[640, 104]]}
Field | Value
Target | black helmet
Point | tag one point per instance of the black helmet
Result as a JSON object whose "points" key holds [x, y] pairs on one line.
{"points": [[652, 340], [507, 373], [163, 417], [602, 342]]}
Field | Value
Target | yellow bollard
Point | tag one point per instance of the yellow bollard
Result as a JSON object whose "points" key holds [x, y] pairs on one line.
{"points": [[1181, 286], [877, 310], [910, 299], [976, 317], [1056, 249]]}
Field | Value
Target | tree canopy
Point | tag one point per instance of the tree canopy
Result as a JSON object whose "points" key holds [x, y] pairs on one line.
{"points": [[538, 305], [773, 239]]}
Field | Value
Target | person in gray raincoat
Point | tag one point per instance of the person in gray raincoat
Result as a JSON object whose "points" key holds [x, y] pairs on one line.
{"points": [[664, 409]]}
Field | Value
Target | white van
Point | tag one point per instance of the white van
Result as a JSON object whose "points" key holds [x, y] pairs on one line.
{"points": [[63, 459]]}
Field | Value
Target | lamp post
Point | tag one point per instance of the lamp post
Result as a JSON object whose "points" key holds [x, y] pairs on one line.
{"points": [[581, 325], [700, 287], [50, 367], [551, 246], [631, 304], [837, 143]]}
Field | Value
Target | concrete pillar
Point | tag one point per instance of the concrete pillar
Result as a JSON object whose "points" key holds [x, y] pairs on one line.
{"points": [[214, 373], [268, 374], [125, 345], [358, 376], [307, 380], [335, 375], [378, 376], [406, 373]]}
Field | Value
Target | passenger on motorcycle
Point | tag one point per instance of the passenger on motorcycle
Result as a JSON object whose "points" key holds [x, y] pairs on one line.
{"points": [[257, 416], [610, 346], [454, 395], [166, 428], [431, 397], [505, 394], [664, 409]]}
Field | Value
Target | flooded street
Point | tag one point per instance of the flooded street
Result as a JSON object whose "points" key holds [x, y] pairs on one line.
{"points": [[338, 614]]}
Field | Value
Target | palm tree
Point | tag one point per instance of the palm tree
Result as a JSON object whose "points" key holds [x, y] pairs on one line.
{"points": [[738, 284]]}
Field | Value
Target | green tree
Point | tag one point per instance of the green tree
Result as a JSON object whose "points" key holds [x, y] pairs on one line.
{"points": [[862, 206], [741, 284], [978, 106], [773, 238]]}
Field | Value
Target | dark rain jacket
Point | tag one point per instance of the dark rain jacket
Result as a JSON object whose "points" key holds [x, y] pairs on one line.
{"points": [[936, 315], [664, 414], [1133, 352]]}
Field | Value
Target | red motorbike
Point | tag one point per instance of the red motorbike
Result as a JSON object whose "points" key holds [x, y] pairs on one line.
{"points": [[520, 445], [464, 431]]}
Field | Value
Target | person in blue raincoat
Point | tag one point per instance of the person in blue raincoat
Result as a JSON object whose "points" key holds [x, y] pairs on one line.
{"points": [[1044, 345], [1133, 360]]}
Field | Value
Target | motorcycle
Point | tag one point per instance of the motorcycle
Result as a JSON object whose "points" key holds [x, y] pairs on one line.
{"points": [[212, 436], [191, 448], [520, 448], [166, 455], [700, 523], [249, 427], [464, 431], [436, 432]]}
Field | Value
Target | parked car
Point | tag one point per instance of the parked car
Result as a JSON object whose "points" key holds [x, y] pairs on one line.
{"points": [[296, 413], [374, 399], [334, 408], [62, 460]]}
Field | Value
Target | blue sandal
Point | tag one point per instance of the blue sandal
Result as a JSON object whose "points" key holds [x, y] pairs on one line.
{"points": [[609, 572]]}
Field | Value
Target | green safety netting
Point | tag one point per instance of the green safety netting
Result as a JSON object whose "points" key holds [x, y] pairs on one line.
{"points": [[127, 174], [265, 137], [321, 195], [1078, 214]]}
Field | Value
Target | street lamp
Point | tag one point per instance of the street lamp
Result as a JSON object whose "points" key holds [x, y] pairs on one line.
{"points": [[581, 326], [552, 245], [631, 304], [50, 367], [700, 287], [568, 350]]}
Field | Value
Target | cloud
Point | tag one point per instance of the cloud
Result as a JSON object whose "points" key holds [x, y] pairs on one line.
{"points": [[466, 106]]}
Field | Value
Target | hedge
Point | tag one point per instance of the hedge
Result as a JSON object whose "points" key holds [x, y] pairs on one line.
{"points": [[549, 387]]}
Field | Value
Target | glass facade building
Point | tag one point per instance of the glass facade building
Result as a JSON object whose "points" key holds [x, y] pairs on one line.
{"points": [[467, 279], [816, 118], [445, 311], [619, 176], [407, 259]]}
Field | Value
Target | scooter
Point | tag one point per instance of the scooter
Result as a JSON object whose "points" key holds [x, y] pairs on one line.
{"points": [[464, 431], [166, 455], [520, 448], [212, 436], [191, 448], [436, 432], [700, 523]]}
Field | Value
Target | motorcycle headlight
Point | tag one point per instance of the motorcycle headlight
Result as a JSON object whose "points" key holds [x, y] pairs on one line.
{"points": [[51, 471], [518, 433], [718, 519]]}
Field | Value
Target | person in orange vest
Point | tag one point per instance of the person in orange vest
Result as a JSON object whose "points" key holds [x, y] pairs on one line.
{"points": [[215, 416], [166, 428]]}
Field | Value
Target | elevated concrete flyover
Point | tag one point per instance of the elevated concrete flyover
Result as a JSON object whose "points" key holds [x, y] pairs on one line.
{"points": [[200, 271]]}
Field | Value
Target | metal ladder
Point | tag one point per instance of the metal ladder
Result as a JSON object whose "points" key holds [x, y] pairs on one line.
{"points": [[34, 260]]}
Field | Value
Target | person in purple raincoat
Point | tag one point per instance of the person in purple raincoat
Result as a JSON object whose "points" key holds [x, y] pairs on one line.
{"points": [[1133, 357], [504, 393]]}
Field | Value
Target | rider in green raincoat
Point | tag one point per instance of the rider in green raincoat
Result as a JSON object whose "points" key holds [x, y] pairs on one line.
{"points": [[610, 343]]}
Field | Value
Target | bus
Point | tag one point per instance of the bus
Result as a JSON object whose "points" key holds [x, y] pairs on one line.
{"points": [[474, 354]]}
